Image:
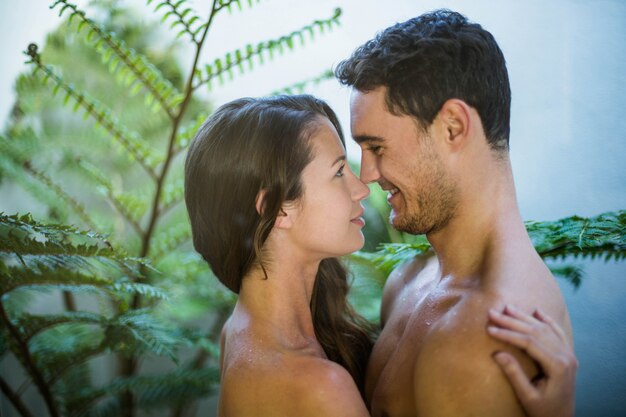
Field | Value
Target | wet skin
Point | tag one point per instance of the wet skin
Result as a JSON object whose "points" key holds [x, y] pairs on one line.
{"points": [[434, 356]]}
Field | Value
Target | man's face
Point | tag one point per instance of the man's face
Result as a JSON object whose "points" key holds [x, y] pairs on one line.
{"points": [[404, 160]]}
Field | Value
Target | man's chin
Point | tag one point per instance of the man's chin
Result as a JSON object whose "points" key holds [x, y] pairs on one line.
{"points": [[406, 225]]}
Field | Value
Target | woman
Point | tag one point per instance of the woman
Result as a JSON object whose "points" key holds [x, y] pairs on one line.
{"points": [[272, 204]]}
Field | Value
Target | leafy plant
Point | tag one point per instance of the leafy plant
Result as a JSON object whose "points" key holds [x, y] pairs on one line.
{"points": [[97, 137], [602, 236], [54, 348]]}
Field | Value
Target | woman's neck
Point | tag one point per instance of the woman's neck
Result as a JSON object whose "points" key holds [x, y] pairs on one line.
{"points": [[278, 305]]}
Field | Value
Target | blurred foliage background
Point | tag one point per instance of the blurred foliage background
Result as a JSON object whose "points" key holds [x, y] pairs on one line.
{"points": [[116, 314]]}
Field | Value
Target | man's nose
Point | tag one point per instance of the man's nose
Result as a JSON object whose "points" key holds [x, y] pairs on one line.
{"points": [[369, 170]]}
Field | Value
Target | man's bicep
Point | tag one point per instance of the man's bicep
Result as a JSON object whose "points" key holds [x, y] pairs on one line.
{"points": [[457, 377]]}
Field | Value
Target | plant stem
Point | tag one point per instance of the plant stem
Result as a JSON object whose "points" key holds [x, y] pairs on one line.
{"points": [[199, 360], [68, 301], [29, 363], [15, 399], [128, 366]]}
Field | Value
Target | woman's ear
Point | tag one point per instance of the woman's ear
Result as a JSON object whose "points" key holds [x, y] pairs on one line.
{"points": [[285, 214], [260, 201], [284, 219]]}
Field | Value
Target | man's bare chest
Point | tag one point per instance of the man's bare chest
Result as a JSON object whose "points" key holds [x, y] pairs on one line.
{"points": [[389, 383]]}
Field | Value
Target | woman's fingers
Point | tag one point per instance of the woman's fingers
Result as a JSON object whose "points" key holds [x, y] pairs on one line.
{"points": [[526, 342], [518, 314], [538, 335], [523, 388], [540, 315], [508, 322]]}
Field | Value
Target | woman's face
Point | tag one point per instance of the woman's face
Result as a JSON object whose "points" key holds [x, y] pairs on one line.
{"points": [[328, 217]]}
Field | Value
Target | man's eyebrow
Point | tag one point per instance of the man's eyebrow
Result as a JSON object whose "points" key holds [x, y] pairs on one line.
{"points": [[341, 158], [367, 139]]}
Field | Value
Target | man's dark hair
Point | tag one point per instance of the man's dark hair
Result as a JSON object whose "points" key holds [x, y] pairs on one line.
{"points": [[432, 58]]}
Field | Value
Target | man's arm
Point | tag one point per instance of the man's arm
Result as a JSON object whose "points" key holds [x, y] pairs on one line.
{"points": [[455, 374]]}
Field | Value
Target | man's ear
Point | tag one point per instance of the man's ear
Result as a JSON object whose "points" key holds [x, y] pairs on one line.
{"points": [[455, 119]]}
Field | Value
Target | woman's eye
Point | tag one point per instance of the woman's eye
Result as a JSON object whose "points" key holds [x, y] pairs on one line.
{"points": [[340, 171]]}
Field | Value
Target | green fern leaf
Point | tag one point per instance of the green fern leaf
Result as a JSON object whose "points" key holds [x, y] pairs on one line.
{"points": [[182, 16], [130, 141], [600, 236], [138, 331], [269, 47], [108, 45], [29, 324], [301, 87]]}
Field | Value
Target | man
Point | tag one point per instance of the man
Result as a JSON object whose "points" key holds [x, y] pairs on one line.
{"points": [[430, 110]]}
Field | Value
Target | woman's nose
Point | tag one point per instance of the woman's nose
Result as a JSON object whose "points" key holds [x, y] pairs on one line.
{"points": [[360, 190]]}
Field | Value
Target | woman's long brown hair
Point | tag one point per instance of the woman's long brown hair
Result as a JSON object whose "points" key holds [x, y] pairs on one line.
{"points": [[246, 146]]}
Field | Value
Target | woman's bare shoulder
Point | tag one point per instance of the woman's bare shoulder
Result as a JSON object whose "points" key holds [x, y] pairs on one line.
{"points": [[297, 385]]}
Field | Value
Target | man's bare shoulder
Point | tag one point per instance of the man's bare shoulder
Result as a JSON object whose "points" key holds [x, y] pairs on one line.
{"points": [[297, 385], [400, 277], [455, 373]]}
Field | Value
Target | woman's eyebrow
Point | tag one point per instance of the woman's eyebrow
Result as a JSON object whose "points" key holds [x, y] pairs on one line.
{"points": [[341, 158]]}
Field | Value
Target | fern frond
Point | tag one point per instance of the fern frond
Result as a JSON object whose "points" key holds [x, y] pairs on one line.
{"points": [[228, 4], [61, 257], [572, 273], [241, 56], [391, 255], [25, 236], [39, 274], [57, 350], [168, 240], [139, 331], [182, 16], [300, 87], [60, 273], [140, 71], [600, 236], [77, 207], [173, 193], [135, 288], [129, 206], [187, 133], [19, 159], [151, 391], [31, 324], [130, 141]]}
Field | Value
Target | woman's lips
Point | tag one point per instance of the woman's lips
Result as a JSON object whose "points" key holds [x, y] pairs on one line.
{"points": [[358, 219]]}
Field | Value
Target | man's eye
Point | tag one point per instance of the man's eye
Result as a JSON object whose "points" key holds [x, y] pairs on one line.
{"points": [[375, 149]]}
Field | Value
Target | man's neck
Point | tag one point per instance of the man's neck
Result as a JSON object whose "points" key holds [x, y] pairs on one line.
{"points": [[486, 226]]}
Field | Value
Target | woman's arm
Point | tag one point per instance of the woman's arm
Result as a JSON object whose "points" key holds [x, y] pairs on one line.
{"points": [[553, 393]]}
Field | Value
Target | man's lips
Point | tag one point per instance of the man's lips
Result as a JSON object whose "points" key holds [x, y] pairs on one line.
{"points": [[392, 193]]}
